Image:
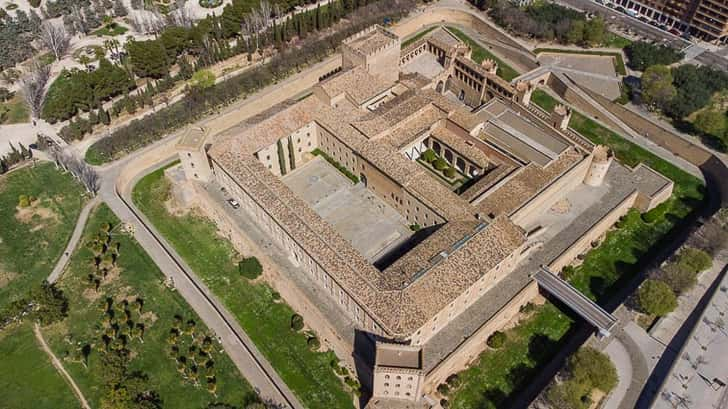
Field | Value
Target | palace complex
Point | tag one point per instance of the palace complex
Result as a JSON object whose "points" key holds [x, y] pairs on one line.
{"points": [[418, 193]]}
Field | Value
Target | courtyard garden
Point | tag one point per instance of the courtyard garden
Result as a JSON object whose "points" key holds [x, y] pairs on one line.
{"points": [[129, 337], [38, 207], [259, 310]]}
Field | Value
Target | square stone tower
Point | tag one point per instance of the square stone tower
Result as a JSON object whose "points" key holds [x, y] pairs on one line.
{"points": [[376, 49], [193, 154]]}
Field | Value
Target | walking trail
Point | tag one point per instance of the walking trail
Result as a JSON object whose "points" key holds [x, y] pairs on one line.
{"points": [[75, 237], [57, 364]]}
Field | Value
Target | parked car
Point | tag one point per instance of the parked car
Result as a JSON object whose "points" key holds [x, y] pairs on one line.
{"points": [[674, 31], [234, 203]]}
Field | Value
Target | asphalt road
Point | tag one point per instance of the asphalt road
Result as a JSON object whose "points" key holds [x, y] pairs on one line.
{"points": [[645, 30]]}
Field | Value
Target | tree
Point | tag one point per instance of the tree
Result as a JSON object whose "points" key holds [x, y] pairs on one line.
{"points": [[656, 298], [678, 278], [55, 37], [203, 79], [641, 54], [694, 260], [149, 58], [594, 32], [711, 122], [119, 9], [593, 367], [49, 304], [33, 87], [657, 88]]}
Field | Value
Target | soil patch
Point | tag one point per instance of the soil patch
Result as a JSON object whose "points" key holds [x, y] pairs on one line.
{"points": [[27, 214], [6, 277]]}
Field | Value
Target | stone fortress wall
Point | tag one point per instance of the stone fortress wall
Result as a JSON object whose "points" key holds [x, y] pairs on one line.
{"points": [[290, 151]]}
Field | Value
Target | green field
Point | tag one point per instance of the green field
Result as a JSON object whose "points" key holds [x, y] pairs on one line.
{"points": [[14, 111], [27, 374], [33, 238], [497, 374], [479, 54], [266, 321], [135, 276]]}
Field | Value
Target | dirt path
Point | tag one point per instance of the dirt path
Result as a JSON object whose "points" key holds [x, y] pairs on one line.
{"points": [[57, 364]]}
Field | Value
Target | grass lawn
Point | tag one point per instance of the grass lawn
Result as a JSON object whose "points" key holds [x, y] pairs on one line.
{"points": [[617, 258], [28, 375], [505, 71], [33, 238], [497, 374], [417, 36], [616, 41], [14, 111], [135, 275], [111, 30], [307, 373]]}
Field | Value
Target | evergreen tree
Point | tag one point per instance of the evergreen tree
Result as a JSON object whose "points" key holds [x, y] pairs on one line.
{"points": [[119, 9]]}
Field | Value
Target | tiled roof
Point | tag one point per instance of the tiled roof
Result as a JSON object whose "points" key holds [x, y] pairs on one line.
{"points": [[357, 83]]}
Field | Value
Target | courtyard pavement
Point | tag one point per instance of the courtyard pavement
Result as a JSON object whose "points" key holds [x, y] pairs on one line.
{"points": [[358, 215]]}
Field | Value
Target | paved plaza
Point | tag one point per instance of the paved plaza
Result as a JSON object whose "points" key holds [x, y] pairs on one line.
{"points": [[362, 218]]}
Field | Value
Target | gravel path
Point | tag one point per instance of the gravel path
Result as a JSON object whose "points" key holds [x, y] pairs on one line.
{"points": [[57, 364]]}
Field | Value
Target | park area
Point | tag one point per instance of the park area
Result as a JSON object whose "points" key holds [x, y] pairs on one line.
{"points": [[39, 206], [259, 310]]}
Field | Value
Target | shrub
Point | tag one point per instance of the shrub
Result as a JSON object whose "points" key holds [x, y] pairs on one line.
{"points": [[440, 164], [275, 295], [694, 260], [34, 3], [678, 278], [594, 368], [656, 298], [250, 268], [23, 201], [567, 272], [453, 380], [444, 403], [528, 308], [313, 343], [449, 172], [496, 340], [443, 389], [655, 214], [415, 227], [296, 322], [428, 156]]}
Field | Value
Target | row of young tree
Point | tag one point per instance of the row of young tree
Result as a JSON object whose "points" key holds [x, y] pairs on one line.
{"points": [[14, 157], [547, 22], [200, 100]]}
